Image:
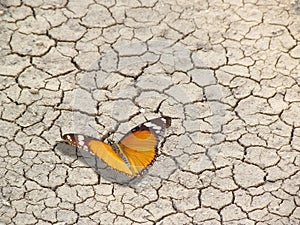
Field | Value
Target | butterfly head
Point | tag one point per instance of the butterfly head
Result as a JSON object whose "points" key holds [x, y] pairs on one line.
{"points": [[110, 141]]}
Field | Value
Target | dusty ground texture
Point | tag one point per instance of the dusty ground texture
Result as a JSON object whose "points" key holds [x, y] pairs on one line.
{"points": [[226, 71]]}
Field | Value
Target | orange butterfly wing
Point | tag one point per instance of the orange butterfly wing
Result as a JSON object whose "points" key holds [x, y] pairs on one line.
{"points": [[140, 150], [140, 145], [104, 151]]}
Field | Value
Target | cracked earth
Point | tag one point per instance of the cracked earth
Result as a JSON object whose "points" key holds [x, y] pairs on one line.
{"points": [[226, 71]]}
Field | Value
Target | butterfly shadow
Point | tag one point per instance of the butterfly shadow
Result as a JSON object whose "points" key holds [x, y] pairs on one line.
{"points": [[75, 156]]}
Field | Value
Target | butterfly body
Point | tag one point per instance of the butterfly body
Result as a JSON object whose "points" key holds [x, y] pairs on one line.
{"points": [[119, 151], [133, 153]]}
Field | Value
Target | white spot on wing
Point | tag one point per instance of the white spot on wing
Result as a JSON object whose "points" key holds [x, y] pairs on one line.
{"points": [[148, 124], [80, 138], [81, 143], [153, 126], [157, 131], [157, 128]]}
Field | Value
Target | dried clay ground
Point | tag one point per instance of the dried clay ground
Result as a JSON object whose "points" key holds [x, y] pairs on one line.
{"points": [[226, 71]]}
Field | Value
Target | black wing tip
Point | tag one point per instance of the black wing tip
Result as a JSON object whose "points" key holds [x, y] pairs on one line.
{"points": [[69, 136], [65, 135], [168, 121]]}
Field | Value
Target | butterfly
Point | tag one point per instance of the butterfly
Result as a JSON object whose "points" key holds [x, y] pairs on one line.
{"points": [[133, 153]]}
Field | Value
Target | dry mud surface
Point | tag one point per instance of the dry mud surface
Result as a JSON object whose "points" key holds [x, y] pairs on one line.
{"points": [[225, 71]]}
